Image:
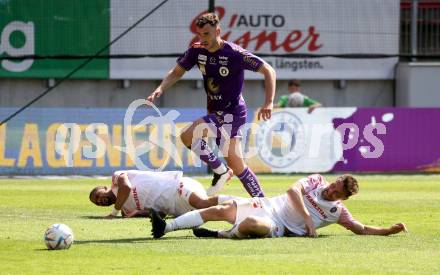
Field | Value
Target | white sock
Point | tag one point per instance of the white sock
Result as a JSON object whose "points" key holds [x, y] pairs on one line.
{"points": [[191, 219], [222, 198], [221, 169]]}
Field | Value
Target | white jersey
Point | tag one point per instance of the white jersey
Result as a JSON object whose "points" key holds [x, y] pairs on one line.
{"points": [[166, 192], [322, 212]]}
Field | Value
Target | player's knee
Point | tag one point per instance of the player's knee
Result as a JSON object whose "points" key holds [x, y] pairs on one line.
{"points": [[201, 203], [185, 137], [254, 227], [249, 222]]}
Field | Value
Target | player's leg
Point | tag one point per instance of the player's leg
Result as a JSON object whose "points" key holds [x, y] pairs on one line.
{"points": [[253, 220], [191, 195], [255, 227], [250, 227], [234, 158], [194, 136], [224, 212], [200, 201]]}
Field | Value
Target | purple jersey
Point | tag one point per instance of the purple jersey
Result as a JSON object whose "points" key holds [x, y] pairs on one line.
{"points": [[223, 74]]}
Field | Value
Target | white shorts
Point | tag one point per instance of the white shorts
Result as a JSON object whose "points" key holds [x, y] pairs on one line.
{"points": [[186, 187], [258, 207]]}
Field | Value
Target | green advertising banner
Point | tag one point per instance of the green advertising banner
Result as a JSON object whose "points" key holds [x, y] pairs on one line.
{"points": [[53, 27]]}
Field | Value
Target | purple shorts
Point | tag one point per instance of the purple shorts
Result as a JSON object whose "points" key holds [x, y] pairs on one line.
{"points": [[227, 125]]}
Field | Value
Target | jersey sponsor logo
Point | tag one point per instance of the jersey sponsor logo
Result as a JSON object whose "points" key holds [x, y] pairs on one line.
{"points": [[315, 181], [224, 71], [215, 97], [281, 140], [223, 60], [250, 60], [333, 210], [213, 87], [136, 199], [316, 206], [202, 68], [202, 60]]}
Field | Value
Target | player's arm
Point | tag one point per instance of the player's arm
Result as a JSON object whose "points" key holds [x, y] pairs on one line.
{"points": [[124, 189], [313, 107], [295, 195], [135, 213], [269, 88], [311, 104], [361, 229], [172, 77], [282, 102]]}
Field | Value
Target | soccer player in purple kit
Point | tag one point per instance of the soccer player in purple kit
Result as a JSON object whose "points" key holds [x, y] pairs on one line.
{"points": [[222, 65]]}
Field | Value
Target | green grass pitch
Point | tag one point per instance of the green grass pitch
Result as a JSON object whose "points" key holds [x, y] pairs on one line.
{"points": [[124, 246]]}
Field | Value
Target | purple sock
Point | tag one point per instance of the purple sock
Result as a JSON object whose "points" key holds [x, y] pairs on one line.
{"points": [[205, 154], [250, 183]]}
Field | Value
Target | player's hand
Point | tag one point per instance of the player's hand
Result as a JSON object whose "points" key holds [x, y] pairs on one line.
{"points": [[310, 228], [156, 94], [131, 214], [398, 227], [124, 213], [265, 112], [311, 109]]}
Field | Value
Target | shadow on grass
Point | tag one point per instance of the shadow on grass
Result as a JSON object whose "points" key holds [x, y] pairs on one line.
{"points": [[103, 218], [132, 240], [166, 240], [97, 217], [47, 249], [306, 237]]}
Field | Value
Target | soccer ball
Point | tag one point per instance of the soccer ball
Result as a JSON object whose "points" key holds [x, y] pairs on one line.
{"points": [[296, 100], [58, 236]]}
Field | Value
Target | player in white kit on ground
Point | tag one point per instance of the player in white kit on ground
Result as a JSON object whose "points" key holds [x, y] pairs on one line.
{"points": [[309, 204], [169, 193]]}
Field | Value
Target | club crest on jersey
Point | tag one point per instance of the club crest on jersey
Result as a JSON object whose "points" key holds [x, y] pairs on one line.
{"points": [[333, 210], [224, 71], [212, 60]]}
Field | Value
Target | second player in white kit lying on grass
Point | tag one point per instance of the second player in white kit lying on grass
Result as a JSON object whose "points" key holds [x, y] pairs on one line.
{"points": [[309, 204], [135, 192]]}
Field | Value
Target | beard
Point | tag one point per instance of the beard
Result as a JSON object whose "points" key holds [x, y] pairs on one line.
{"points": [[111, 199], [324, 194]]}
